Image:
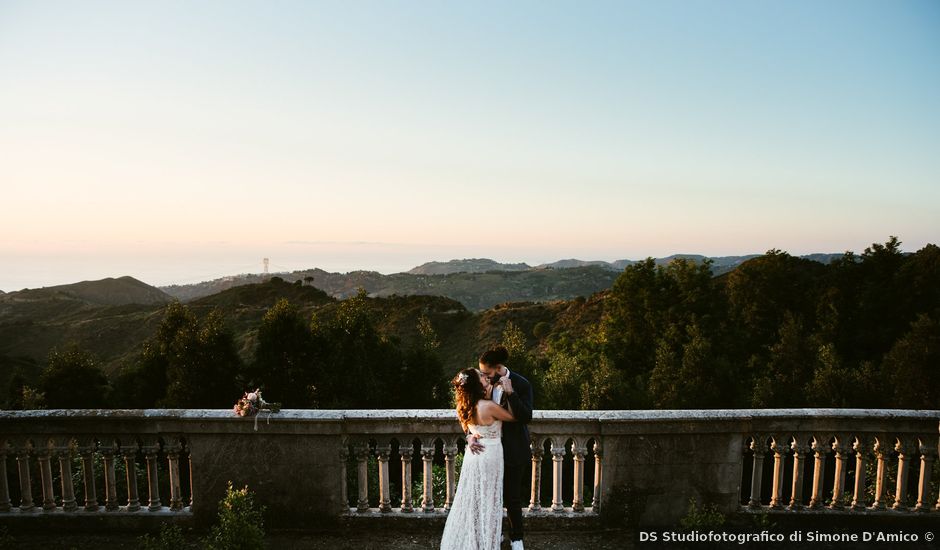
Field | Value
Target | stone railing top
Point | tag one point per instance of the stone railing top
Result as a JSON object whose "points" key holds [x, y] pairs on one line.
{"points": [[449, 414]]}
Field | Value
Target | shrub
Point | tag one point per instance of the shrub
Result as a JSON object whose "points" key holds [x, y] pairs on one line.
{"points": [[706, 517], [170, 538], [439, 485], [241, 526]]}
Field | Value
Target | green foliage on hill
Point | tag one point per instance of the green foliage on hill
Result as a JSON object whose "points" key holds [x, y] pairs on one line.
{"points": [[106, 292], [190, 362], [778, 331], [477, 291], [73, 379]]}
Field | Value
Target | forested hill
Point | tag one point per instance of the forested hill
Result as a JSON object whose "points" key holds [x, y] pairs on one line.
{"points": [[106, 292], [478, 283], [228, 329], [476, 291], [779, 331]]}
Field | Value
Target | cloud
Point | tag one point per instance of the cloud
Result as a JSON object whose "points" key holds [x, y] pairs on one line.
{"points": [[343, 243]]}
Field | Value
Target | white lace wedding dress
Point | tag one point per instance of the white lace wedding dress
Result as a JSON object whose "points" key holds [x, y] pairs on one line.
{"points": [[475, 520]]}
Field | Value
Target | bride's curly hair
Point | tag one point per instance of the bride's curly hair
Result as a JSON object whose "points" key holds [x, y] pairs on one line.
{"points": [[468, 391]]}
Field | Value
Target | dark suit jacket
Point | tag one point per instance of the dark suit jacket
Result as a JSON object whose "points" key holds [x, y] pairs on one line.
{"points": [[516, 439]]}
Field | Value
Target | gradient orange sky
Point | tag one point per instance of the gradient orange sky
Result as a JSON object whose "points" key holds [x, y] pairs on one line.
{"points": [[176, 142]]}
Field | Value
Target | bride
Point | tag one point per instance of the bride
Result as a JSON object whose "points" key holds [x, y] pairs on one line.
{"points": [[475, 520]]}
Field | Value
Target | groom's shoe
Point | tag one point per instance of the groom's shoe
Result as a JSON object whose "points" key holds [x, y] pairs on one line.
{"points": [[517, 545]]}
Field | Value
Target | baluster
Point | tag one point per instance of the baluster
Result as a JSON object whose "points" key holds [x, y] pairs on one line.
{"points": [[65, 453], [86, 450], [537, 452], [800, 452], [343, 457], [598, 475], [189, 462], [558, 455], [757, 472], [776, 496], [838, 483], [110, 477], [927, 456], [5, 505], [45, 474], [820, 449], [382, 454], [151, 450], [577, 500], [450, 454], [406, 450], [26, 486], [362, 459], [173, 451], [900, 500], [129, 452], [878, 503], [858, 499], [937, 505], [427, 454]]}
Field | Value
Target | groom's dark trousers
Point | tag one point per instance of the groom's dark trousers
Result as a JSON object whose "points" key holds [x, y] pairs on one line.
{"points": [[516, 451]]}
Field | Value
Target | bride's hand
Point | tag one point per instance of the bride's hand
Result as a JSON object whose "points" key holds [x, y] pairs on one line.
{"points": [[473, 442], [507, 385]]}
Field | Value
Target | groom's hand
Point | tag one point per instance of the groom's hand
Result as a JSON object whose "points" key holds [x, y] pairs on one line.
{"points": [[473, 442]]}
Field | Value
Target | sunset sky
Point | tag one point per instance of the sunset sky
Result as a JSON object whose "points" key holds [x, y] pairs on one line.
{"points": [[183, 141]]}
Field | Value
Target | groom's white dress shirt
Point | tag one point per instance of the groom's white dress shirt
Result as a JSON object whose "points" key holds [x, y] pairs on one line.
{"points": [[498, 391]]}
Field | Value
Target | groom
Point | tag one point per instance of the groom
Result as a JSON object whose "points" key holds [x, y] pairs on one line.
{"points": [[511, 390]]}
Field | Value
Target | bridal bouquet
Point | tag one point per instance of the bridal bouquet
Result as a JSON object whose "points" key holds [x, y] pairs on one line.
{"points": [[252, 403]]}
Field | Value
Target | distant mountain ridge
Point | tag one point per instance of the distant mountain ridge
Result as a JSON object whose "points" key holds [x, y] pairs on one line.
{"points": [[473, 265], [478, 283], [476, 291], [105, 292]]}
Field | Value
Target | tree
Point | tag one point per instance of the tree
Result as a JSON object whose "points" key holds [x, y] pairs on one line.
{"points": [[781, 379], [285, 359], [143, 384], [913, 365], [763, 291], [203, 368], [188, 363], [361, 369], [639, 296], [833, 384], [422, 372], [646, 302], [882, 316], [73, 379], [541, 330], [563, 382], [520, 360], [14, 394], [687, 374]]}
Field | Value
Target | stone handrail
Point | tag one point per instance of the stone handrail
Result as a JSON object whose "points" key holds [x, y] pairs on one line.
{"points": [[297, 460]]}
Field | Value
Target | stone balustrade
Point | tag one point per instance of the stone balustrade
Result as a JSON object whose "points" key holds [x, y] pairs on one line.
{"points": [[562, 443], [844, 464], [308, 467]]}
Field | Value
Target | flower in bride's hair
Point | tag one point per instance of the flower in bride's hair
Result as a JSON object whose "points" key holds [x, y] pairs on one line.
{"points": [[463, 378]]}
